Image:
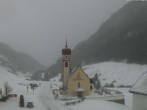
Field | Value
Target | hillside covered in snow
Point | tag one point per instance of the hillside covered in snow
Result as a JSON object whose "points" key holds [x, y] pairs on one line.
{"points": [[17, 61], [117, 73]]}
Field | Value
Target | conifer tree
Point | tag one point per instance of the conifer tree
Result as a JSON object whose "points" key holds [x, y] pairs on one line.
{"points": [[21, 101]]}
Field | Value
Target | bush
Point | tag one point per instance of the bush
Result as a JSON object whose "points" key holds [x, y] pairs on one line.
{"points": [[21, 101], [109, 85]]}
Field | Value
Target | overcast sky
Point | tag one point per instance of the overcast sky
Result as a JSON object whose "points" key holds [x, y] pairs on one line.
{"points": [[39, 27]]}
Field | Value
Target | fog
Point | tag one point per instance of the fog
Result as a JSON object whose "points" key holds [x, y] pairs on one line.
{"points": [[39, 27]]}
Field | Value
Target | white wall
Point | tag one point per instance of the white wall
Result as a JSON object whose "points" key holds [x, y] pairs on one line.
{"points": [[139, 102]]}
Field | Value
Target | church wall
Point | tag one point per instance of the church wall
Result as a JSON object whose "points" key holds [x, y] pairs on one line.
{"points": [[78, 77]]}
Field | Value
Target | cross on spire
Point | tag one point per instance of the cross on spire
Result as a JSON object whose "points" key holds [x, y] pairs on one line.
{"points": [[66, 42]]}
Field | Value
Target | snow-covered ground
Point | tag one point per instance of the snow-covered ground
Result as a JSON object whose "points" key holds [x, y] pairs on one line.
{"points": [[102, 105], [120, 73], [43, 99], [19, 86]]}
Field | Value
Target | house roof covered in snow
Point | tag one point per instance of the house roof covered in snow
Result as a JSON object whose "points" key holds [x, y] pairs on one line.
{"points": [[141, 85]]}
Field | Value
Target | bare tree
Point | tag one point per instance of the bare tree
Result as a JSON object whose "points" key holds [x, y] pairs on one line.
{"points": [[8, 89]]}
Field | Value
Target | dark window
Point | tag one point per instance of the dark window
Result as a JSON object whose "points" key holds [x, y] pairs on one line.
{"points": [[90, 87], [79, 85], [66, 64]]}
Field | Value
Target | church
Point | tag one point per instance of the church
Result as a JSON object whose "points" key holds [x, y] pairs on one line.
{"points": [[75, 82]]}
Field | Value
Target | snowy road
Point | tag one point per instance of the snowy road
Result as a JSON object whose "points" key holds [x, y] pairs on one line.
{"points": [[46, 98], [47, 102]]}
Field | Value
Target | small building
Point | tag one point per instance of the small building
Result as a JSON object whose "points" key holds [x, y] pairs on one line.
{"points": [[139, 91]]}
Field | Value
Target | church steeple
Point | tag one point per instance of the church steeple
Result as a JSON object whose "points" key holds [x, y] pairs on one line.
{"points": [[66, 66]]}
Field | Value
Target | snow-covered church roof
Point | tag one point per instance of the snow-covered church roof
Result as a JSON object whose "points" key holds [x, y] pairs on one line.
{"points": [[141, 85]]}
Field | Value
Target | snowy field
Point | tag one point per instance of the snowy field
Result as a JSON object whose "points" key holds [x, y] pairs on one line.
{"points": [[19, 86], [43, 99], [121, 73]]}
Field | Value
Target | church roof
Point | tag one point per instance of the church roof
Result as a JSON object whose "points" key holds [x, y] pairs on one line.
{"points": [[66, 50], [141, 85], [74, 72]]}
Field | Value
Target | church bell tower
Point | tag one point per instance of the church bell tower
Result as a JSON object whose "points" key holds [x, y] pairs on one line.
{"points": [[66, 67]]}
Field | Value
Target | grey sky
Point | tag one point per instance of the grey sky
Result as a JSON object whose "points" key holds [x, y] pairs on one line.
{"points": [[39, 27]]}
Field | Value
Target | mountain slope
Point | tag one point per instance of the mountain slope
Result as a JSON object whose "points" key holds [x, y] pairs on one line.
{"points": [[121, 38], [17, 61]]}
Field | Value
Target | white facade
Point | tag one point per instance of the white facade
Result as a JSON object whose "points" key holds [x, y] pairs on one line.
{"points": [[66, 69], [139, 102], [139, 91]]}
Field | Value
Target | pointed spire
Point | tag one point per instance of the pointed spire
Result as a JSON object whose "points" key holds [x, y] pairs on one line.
{"points": [[66, 50], [66, 42]]}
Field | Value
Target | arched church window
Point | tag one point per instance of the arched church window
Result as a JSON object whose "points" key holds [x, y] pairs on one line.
{"points": [[66, 64], [78, 85], [66, 57]]}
